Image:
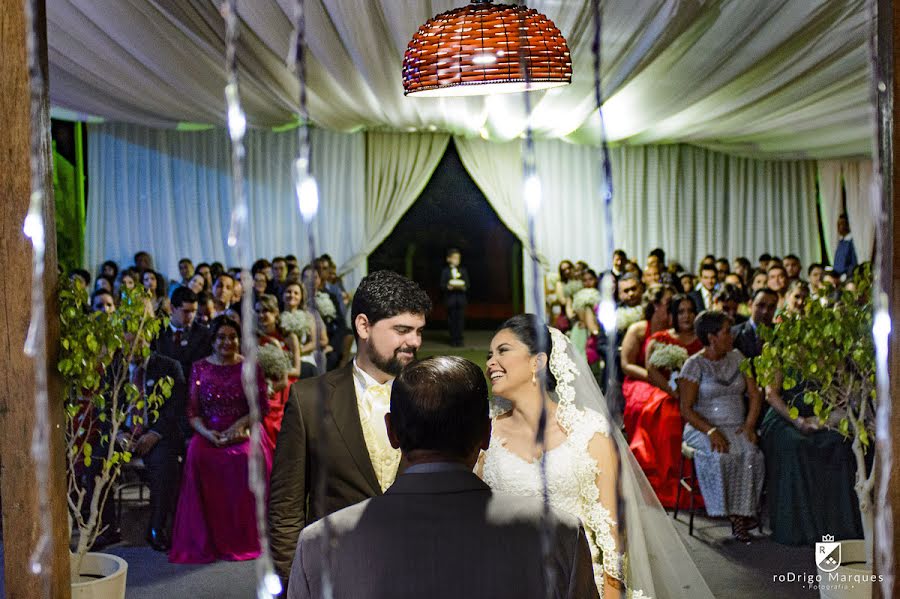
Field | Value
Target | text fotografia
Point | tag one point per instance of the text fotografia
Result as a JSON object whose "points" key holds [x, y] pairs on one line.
{"points": [[834, 578]]}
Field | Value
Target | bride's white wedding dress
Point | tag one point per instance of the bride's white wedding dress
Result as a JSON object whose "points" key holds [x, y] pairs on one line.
{"points": [[642, 550]]}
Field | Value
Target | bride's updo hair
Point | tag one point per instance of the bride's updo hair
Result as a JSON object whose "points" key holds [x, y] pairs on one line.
{"points": [[536, 337]]}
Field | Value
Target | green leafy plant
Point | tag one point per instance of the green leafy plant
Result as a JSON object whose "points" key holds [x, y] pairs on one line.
{"points": [[831, 349], [102, 405]]}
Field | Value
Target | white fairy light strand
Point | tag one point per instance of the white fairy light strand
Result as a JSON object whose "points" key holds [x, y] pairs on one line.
{"points": [[36, 340], [268, 583], [882, 93], [308, 204]]}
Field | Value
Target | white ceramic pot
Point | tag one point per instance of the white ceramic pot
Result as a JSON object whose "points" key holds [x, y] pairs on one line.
{"points": [[842, 583], [102, 576]]}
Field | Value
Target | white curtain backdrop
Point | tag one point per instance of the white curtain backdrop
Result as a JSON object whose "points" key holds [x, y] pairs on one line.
{"points": [[855, 179], [767, 78], [397, 168], [170, 193]]}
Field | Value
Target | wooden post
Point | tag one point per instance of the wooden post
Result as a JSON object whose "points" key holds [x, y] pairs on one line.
{"points": [[17, 417]]}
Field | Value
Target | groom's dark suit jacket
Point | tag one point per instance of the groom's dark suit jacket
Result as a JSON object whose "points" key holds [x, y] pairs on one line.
{"points": [[293, 503], [444, 535]]}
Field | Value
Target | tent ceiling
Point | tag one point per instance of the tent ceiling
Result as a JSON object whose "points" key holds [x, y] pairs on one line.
{"points": [[776, 78]]}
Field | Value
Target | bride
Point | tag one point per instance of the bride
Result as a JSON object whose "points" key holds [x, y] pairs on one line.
{"points": [[588, 469]]}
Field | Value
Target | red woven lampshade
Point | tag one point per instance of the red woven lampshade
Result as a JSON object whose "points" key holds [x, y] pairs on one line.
{"points": [[475, 50]]}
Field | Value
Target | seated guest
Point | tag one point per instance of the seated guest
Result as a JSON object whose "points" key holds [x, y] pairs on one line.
{"points": [[764, 260], [651, 275], [327, 304], [729, 464], [722, 268], [489, 543], [156, 285], [205, 308], [703, 295], [294, 300], [629, 309], [185, 271], [204, 270], [654, 430], [792, 267], [816, 275], [794, 300], [216, 516], [222, 293], [745, 336], [81, 278], [743, 269], [759, 280], [634, 347], [143, 261], [109, 270], [687, 281], [271, 333], [776, 280], [729, 299]]}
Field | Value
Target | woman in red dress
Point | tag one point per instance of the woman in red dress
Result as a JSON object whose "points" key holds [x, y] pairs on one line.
{"points": [[634, 346], [654, 431]]}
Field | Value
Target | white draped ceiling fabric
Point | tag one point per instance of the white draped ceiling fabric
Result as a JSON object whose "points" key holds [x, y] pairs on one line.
{"points": [[765, 78]]}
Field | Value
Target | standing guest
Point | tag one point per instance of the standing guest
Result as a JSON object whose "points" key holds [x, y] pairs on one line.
{"points": [[455, 285], [743, 269], [102, 301], [792, 267], [185, 271], [758, 280], [654, 427], [723, 268], [388, 316], [143, 261], [222, 291], [728, 299], [156, 285], [845, 254], [109, 269], [185, 340], [816, 275], [776, 280], [703, 296], [730, 467], [216, 516], [439, 420], [294, 300], [204, 270]]}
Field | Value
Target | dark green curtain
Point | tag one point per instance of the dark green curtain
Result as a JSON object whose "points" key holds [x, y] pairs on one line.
{"points": [[70, 213]]}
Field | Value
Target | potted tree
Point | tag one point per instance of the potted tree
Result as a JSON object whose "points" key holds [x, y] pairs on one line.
{"points": [[104, 409], [831, 349]]}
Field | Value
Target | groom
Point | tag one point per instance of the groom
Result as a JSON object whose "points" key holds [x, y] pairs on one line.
{"points": [[439, 531], [351, 444]]}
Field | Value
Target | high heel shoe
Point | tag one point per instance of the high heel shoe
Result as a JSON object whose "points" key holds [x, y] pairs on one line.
{"points": [[740, 529]]}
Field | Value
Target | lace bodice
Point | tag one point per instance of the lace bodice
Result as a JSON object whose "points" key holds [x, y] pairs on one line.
{"points": [[572, 485]]}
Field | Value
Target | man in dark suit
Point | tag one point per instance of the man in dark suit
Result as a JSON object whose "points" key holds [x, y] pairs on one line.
{"points": [[184, 340], [762, 312], [703, 296], [349, 447], [455, 284], [489, 543]]}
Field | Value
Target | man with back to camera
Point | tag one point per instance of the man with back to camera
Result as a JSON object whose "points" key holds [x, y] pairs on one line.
{"points": [[388, 314], [439, 531]]}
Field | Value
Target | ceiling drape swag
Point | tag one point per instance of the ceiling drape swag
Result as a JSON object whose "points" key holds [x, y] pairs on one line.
{"points": [[763, 78]]}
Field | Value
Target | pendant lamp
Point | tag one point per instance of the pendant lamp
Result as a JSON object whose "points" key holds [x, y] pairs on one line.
{"points": [[479, 49]]}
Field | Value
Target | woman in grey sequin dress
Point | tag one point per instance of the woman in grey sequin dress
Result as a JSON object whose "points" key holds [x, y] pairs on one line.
{"points": [[730, 467]]}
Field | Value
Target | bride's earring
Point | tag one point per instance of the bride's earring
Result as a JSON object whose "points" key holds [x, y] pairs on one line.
{"points": [[534, 378]]}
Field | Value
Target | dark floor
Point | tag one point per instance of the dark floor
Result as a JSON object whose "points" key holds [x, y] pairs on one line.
{"points": [[731, 569]]}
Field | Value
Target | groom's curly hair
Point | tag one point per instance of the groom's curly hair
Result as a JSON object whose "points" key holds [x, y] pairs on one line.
{"points": [[440, 404], [385, 294]]}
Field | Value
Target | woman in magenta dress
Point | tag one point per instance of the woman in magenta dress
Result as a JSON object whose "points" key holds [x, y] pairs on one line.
{"points": [[216, 515], [270, 332], [655, 433]]}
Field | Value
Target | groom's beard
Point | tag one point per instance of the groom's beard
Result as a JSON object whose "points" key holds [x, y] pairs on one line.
{"points": [[392, 364]]}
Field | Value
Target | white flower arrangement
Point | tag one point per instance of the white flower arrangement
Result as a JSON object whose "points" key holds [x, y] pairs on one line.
{"points": [[325, 306], [668, 356], [551, 279], [570, 288], [625, 316], [298, 322], [274, 361], [586, 298]]}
